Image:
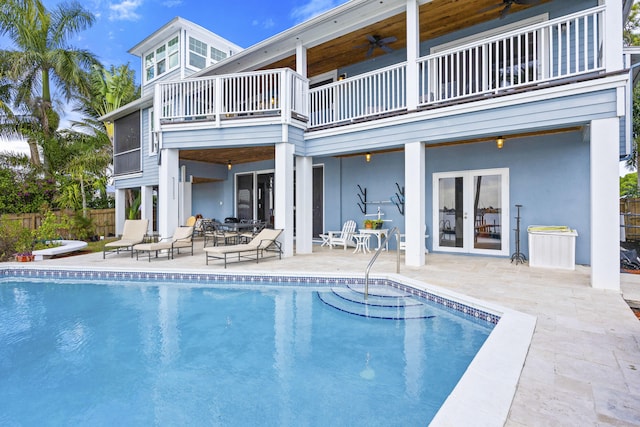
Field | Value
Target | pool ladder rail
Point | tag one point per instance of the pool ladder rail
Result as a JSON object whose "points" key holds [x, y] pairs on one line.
{"points": [[383, 243]]}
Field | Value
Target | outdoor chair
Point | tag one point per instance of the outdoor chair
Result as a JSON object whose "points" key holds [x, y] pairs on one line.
{"points": [[258, 226], [265, 241], [133, 232], [344, 237], [217, 235], [182, 238]]}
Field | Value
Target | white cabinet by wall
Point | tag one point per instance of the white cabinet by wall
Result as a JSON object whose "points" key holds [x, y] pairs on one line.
{"points": [[552, 247]]}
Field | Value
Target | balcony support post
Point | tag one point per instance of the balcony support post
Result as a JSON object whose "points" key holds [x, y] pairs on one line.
{"points": [[304, 204], [283, 212], [414, 220], [168, 191], [612, 49], [413, 52]]}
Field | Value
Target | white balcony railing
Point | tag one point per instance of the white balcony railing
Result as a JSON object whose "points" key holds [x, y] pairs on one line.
{"points": [[561, 48], [279, 92], [555, 49], [370, 94]]}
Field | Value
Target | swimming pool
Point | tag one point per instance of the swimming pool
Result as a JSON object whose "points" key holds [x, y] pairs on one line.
{"points": [[162, 352]]}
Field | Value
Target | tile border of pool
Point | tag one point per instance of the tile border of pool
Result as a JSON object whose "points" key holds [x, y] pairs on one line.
{"points": [[486, 388]]}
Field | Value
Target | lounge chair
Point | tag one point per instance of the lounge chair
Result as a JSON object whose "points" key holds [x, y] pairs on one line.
{"points": [[266, 240], [343, 237], [182, 238], [133, 232]]}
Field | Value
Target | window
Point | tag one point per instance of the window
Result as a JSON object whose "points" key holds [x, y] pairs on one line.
{"points": [[126, 144], [163, 59], [153, 140], [197, 53], [217, 54]]}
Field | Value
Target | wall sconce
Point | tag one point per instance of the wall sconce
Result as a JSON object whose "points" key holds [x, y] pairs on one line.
{"points": [[229, 165], [342, 76], [500, 142], [367, 157]]}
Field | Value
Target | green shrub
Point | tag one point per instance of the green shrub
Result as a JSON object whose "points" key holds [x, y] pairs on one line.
{"points": [[14, 238], [82, 228], [53, 228]]}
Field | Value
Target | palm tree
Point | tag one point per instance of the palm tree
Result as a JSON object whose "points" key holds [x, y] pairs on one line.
{"points": [[42, 56]]}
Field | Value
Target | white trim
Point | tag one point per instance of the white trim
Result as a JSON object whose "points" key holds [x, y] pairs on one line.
{"points": [[469, 220], [491, 33], [127, 176]]}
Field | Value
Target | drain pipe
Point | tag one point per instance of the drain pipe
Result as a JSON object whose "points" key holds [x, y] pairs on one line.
{"points": [[384, 241]]}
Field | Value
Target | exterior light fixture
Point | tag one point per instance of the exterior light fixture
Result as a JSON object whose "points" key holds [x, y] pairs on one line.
{"points": [[499, 142], [367, 157], [229, 165]]}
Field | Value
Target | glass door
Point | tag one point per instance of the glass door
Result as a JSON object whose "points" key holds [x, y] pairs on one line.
{"points": [[471, 211]]}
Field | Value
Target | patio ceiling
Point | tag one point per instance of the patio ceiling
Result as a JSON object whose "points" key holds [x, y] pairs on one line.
{"points": [[236, 156], [437, 18]]}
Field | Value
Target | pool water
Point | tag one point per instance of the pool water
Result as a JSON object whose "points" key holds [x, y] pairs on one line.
{"points": [[174, 354]]}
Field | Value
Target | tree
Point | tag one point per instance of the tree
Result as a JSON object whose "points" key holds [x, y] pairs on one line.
{"points": [[42, 56], [632, 27]]}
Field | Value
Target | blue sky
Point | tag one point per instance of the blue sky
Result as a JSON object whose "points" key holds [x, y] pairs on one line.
{"points": [[121, 24]]}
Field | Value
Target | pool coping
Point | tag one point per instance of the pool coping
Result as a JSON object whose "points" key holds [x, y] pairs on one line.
{"points": [[488, 385]]}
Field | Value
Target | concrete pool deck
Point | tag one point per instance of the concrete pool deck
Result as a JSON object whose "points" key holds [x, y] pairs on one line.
{"points": [[583, 365]]}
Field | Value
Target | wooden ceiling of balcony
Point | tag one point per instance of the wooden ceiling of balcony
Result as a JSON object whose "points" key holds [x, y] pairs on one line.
{"points": [[437, 18], [223, 156]]}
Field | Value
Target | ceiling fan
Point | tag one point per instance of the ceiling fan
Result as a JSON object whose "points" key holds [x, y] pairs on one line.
{"points": [[506, 6], [377, 41]]}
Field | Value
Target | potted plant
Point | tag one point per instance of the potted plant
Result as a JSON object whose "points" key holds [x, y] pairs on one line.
{"points": [[376, 224], [24, 253], [368, 223]]}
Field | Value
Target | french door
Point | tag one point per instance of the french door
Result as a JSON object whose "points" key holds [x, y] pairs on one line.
{"points": [[471, 211]]}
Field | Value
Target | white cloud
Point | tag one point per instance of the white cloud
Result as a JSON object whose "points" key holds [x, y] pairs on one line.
{"points": [[125, 10], [266, 24], [313, 8]]}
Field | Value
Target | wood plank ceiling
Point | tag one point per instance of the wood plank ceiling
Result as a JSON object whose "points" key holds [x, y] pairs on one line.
{"points": [[437, 18]]}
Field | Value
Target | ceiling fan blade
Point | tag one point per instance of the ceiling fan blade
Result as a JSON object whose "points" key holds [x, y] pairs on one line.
{"points": [[505, 11], [385, 40], [386, 48], [372, 39], [531, 2], [487, 9], [370, 51]]}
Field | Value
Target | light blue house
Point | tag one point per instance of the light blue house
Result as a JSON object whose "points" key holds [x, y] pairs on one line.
{"points": [[444, 114]]}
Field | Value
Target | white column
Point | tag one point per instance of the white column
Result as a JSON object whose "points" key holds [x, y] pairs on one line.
{"points": [[414, 202], [613, 25], [121, 197], [284, 195], [301, 59], [146, 205], [304, 205], [413, 52], [185, 196], [168, 188], [605, 208]]}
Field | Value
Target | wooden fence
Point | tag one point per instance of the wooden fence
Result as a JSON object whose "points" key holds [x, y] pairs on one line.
{"points": [[630, 218], [104, 220]]}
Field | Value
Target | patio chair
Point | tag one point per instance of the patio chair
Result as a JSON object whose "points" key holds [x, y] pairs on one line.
{"points": [[216, 233], [182, 238], [265, 241], [258, 226], [133, 232], [344, 237]]}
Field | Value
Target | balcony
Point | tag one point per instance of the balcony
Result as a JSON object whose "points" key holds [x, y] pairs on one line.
{"points": [[554, 51]]}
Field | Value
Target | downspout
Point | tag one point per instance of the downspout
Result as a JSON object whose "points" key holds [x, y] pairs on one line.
{"points": [[629, 124]]}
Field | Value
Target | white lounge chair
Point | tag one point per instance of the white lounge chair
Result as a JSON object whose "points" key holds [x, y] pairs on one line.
{"points": [[182, 238], [133, 233], [266, 240], [344, 237]]}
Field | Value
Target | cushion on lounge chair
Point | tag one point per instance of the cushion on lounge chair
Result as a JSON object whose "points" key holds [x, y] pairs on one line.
{"points": [[182, 238], [133, 233]]}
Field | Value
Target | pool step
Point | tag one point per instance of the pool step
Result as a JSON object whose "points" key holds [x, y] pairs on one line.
{"points": [[380, 303]]}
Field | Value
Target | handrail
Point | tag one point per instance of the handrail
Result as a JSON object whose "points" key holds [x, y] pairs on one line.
{"points": [[395, 231]]}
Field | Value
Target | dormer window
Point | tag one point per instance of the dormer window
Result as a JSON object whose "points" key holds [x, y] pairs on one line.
{"points": [[197, 53], [163, 59], [217, 54]]}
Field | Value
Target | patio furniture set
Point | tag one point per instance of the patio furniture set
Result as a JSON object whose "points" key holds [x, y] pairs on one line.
{"points": [[247, 240]]}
